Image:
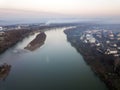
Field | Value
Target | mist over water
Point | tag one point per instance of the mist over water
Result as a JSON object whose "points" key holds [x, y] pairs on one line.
{"points": [[11, 21]]}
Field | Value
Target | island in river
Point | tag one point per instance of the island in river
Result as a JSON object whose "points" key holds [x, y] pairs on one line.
{"points": [[100, 50], [37, 42], [4, 71]]}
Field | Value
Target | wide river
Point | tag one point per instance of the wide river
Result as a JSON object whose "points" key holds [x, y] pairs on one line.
{"points": [[54, 66]]}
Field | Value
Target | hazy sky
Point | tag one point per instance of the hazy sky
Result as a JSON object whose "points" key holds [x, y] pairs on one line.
{"points": [[63, 7]]}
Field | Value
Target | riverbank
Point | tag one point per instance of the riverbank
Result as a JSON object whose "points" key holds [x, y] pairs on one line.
{"points": [[102, 65], [10, 38]]}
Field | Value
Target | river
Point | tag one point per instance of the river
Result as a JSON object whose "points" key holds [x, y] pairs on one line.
{"points": [[54, 66]]}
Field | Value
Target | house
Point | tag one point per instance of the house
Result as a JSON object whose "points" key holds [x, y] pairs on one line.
{"points": [[2, 33], [107, 42], [113, 45], [116, 55], [118, 36], [111, 51], [1, 28], [98, 44], [18, 27], [111, 35], [90, 38]]}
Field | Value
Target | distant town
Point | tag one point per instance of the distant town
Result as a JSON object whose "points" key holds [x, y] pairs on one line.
{"points": [[105, 41], [21, 26], [100, 47], [5, 29]]}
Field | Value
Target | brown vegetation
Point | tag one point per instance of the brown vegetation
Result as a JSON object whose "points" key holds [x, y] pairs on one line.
{"points": [[12, 37], [37, 42]]}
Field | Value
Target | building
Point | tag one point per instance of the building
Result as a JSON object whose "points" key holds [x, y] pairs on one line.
{"points": [[98, 44], [1, 28], [18, 27], [110, 35], [111, 51], [2, 33], [90, 38], [118, 36]]}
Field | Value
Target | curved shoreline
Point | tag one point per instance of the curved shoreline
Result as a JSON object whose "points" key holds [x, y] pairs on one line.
{"points": [[12, 37], [102, 65]]}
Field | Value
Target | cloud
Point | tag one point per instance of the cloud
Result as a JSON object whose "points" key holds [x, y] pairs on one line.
{"points": [[62, 7]]}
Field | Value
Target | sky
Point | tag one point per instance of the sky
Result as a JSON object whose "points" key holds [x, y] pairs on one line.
{"points": [[56, 8]]}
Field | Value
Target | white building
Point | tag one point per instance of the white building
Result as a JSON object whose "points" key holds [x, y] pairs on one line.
{"points": [[111, 51], [90, 38], [19, 27], [98, 44], [118, 36], [111, 35], [1, 28], [107, 42]]}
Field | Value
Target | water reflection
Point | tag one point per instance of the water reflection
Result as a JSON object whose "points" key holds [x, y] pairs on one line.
{"points": [[4, 71]]}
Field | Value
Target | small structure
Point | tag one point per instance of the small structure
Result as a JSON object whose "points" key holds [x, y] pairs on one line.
{"points": [[97, 44], [107, 42], [1, 28], [116, 55], [111, 51], [19, 27], [113, 45], [2, 33], [90, 38], [118, 36], [87, 37], [111, 35]]}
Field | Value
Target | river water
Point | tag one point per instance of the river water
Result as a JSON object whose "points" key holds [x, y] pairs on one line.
{"points": [[54, 66]]}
